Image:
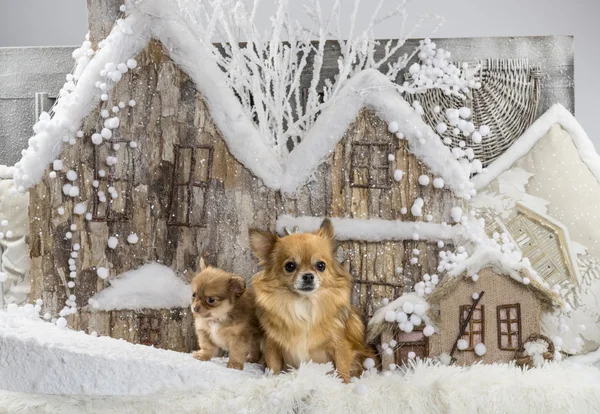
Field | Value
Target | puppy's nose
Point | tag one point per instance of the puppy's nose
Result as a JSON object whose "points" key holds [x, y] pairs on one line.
{"points": [[308, 278], [196, 308]]}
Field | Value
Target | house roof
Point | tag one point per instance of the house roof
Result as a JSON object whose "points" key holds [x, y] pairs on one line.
{"points": [[377, 323], [557, 114], [564, 239], [368, 89], [504, 265], [371, 89]]}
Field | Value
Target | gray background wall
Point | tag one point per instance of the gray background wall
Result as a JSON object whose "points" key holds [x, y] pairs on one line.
{"points": [[63, 22]]}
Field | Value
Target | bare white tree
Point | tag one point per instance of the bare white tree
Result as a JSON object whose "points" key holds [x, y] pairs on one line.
{"points": [[264, 68]]}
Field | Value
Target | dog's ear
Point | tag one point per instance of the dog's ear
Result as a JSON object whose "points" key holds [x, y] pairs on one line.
{"points": [[261, 242], [326, 229], [203, 264], [237, 286]]}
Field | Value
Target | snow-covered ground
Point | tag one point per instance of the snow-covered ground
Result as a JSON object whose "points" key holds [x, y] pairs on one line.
{"points": [[99, 374], [39, 357]]}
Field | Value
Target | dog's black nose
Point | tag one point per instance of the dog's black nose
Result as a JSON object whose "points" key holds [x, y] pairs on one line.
{"points": [[308, 278]]}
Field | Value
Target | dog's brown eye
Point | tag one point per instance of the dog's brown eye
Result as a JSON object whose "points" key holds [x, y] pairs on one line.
{"points": [[193, 295], [290, 266], [211, 301], [321, 266]]}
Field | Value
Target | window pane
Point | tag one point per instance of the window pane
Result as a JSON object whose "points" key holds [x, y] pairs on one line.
{"points": [[514, 327], [503, 327], [118, 204], [201, 169], [360, 176], [379, 177], [513, 313], [182, 169], [476, 339], [504, 341], [379, 156], [197, 201], [179, 206], [360, 155], [122, 170], [502, 314]]}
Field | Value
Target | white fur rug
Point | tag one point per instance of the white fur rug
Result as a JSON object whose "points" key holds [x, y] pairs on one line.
{"points": [[426, 388]]}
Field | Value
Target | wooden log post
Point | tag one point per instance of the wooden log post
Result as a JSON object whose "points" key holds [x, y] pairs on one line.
{"points": [[102, 15]]}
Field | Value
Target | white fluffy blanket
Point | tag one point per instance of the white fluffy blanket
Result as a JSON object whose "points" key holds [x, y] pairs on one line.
{"points": [[427, 388]]}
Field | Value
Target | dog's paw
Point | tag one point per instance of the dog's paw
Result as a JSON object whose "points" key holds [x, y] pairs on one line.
{"points": [[201, 356], [235, 365]]}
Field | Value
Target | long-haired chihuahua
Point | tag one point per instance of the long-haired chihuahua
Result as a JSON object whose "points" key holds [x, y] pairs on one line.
{"points": [[303, 302]]}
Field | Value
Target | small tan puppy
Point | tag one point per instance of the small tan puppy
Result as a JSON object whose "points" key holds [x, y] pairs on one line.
{"points": [[303, 303], [225, 317]]}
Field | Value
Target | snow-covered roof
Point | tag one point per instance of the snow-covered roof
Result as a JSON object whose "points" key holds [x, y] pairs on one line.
{"points": [[563, 238], [371, 89], [368, 89], [503, 264], [240, 134], [151, 286], [371, 230], [377, 323], [557, 114]]}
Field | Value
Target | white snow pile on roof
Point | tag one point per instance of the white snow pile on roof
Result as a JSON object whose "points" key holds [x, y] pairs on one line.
{"points": [[158, 19], [151, 286], [371, 89], [557, 114], [371, 230], [401, 309], [39, 357], [71, 109]]}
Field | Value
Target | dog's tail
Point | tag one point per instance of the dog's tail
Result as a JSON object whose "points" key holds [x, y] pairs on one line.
{"points": [[356, 332]]}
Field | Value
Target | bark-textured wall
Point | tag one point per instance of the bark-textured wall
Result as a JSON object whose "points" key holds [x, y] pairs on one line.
{"points": [[183, 194]]}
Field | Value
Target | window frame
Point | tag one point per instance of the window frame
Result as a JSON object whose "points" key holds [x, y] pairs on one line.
{"points": [[464, 309], [509, 321], [109, 215], [388, 149], [189, 184], [422, 344]]}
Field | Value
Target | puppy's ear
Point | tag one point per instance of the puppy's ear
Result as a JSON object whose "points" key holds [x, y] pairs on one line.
{"points": [[237, 286], [261, 242], [326, 230], [202, 264]]}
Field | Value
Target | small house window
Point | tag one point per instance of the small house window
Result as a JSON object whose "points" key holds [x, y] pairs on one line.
{"points": [[189, 186], [370, 165], [473, 333], [114, 171], [149, 330], [414, 341], [509, 327]]}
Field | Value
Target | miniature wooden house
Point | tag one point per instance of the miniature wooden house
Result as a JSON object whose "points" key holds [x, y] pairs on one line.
{"points": [[506, 314], [179, 180], [543, 240], [501, 309]]}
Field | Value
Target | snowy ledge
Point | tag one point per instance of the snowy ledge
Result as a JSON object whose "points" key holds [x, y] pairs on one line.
{"points": [[370, 230], [557, 114], [151, 286]]}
